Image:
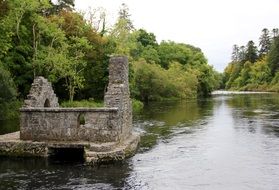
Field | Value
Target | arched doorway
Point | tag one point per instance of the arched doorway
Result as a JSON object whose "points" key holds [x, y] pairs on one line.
{"points": [[47, 103]]}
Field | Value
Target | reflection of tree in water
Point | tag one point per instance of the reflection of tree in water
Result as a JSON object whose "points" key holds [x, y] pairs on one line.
{"points": [[161, 120], [39, 173], [256, 113], [174, 112]]}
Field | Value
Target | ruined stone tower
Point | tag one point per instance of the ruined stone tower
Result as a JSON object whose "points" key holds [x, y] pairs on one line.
{"points": [[118, 93]]}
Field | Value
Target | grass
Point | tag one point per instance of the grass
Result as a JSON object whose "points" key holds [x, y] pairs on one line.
{"points": [[136, 104], [82, 103]]}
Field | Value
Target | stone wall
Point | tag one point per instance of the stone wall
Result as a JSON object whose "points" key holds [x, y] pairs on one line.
{"points": [[43, 120], [66, 124]]}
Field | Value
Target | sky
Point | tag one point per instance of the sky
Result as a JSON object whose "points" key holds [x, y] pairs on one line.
{"points": [[212, 25]]}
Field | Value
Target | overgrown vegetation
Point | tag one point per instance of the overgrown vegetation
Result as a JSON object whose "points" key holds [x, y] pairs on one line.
{"points": [[255, 68], [40, 38]]}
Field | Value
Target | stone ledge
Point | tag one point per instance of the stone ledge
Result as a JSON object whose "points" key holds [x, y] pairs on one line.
{"points": [[80, 109], [11, 145], [124, 150]]}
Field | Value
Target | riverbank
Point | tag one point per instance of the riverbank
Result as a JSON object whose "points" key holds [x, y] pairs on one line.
{"points": [[224, 92]]}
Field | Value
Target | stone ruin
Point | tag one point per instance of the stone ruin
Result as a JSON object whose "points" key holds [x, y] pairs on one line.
{"points": [[104, 134], [41, 95]]}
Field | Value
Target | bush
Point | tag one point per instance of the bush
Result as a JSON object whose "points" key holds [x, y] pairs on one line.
{"points": [[10, 110], [137, 105]]}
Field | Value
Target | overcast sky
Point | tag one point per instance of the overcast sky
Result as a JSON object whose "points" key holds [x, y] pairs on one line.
{"points": [[212, 25]]}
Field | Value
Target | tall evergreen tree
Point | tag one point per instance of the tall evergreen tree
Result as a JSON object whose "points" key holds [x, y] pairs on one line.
{"points": [[273, 56], [265, 42], [251, 52], [235, 53], [124, 14], [275, 32], [242, 53], [61, 5]]}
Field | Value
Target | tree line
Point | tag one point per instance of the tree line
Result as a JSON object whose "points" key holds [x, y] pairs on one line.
{"points": [[255, 68], [72, 50]]}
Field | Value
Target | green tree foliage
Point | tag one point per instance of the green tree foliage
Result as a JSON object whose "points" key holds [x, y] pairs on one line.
{"points": [[273, 56], [235, 53], [152, 82], [8, 104], [251, 52], [146, 39], [244, 76], [124, 14], [255, 72], [177, 52], [59, 5], [55, 41], [260, 73], [121, 33], [8, 89], [275, 32]]}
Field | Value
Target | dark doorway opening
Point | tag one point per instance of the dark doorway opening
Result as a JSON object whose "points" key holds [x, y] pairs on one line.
{"points": [[66, 154]]}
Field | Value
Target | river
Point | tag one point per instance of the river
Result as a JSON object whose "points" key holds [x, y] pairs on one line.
{"points": [[224, 142]]}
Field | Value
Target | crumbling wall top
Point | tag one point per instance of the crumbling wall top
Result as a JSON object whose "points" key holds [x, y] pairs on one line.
{"points": [[41, 94]]}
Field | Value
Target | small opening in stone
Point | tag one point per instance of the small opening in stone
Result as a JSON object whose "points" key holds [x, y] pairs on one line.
{"points": [[66, 154], [47, 103], [81, 119]]}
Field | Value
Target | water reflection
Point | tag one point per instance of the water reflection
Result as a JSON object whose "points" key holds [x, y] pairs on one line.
{"points": [[257, 113], [228, 146], [226, 142], [163, 120]]}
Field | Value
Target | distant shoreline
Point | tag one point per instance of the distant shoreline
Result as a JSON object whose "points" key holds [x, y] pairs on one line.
{"points": [[224, 92]]}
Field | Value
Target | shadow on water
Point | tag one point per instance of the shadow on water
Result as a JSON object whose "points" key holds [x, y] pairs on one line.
{"points": [[39, 173]]}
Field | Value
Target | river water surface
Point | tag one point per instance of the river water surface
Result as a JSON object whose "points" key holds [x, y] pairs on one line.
{"points": [[225, 142]]}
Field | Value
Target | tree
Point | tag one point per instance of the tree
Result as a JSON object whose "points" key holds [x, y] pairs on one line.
{"points": [[173, 52], [122, 34], [60, 5], [124, 14], [150, 80], [68, 63], [3, 8], [251, 52], [275, 32], [273, 56], [146, 39], [235, 53], [19, 42], [260, 73], [265, 42], [242, 53], [244, 75], [8, 89], [150, 54]]}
